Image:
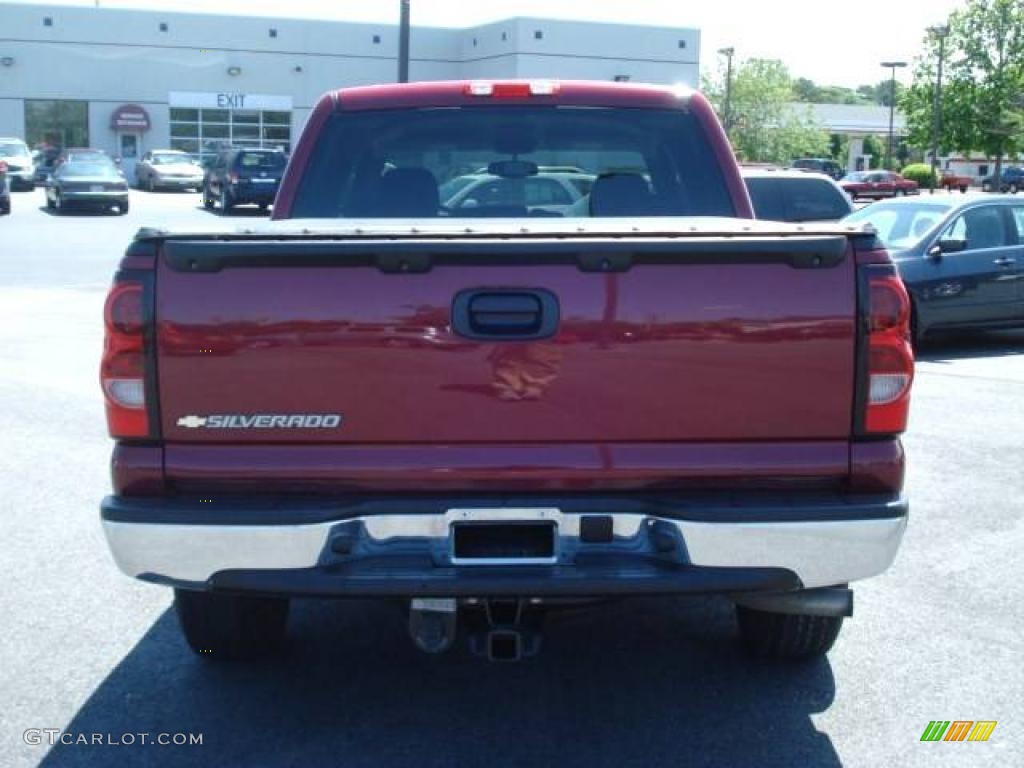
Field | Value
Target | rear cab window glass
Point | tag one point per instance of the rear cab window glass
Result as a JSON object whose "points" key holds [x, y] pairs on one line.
{"points": [[431, 162], [260, 160], [813, 200], [900, 226], [766, 198]]}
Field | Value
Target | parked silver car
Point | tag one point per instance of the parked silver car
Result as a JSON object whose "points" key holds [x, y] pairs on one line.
{"points": [[168, 169]]}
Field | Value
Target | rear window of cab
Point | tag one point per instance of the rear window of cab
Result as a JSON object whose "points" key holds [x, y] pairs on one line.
{"points": [[512, 161], [261, 160], [788, 199]]}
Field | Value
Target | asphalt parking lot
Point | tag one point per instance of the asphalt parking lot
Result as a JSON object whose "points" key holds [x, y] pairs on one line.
{"points": [[647, 683]]}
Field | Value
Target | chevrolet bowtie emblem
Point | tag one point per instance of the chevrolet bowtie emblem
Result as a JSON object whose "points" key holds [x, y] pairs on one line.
{"points": [[192, 422]]}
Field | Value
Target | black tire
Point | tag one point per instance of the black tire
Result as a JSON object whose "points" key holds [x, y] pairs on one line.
{"points": [[963, 189], [150, 184], [264, 207], [226, 627], [122, 208], [207, 198], [1013, 189], [916, 334], [226, 203], [58, 202], [5, 208], [784, 636]]}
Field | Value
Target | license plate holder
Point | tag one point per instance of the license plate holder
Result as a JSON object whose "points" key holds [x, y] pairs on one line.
{"points": [[504, 542]]}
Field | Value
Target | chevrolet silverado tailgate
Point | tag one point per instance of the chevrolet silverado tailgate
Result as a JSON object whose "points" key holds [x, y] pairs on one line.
{"points": [[549, 337]]}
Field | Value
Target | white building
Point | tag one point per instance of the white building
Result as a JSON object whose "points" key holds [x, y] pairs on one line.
{"points": [[857, 121], [127, 81]]}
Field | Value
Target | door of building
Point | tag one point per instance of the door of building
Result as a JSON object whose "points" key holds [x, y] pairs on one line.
{"points": [[128, 149]]}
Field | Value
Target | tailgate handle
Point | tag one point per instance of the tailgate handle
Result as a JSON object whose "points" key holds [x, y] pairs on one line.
{"points": [[505, 314]]}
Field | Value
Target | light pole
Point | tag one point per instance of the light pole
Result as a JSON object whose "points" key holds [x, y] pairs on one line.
{"points": [[940, 32], [727, 109], [403, 42], [893, 65]]}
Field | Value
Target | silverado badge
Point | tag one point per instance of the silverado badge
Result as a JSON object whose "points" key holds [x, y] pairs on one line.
{"points": [[261, 421]]}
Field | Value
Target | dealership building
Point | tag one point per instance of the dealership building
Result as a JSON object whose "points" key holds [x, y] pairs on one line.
{"points": [[128, 81]]}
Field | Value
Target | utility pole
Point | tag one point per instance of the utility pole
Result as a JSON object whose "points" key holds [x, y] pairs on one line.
{"points": [[403, 42], [893, 65], [727, 108], [940, 32]]}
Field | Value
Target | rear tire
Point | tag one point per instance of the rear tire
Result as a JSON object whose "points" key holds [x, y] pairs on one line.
{"points": [[916, 334], [122, 209], [786, 637], [150, 184], [225, 627], [226, 204], [207, 198]]}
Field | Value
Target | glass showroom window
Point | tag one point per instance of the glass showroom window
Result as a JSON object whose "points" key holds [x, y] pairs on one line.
{"points": [[204, 132], [56, 123]]}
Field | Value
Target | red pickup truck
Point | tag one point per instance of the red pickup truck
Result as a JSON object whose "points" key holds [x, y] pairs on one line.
{"points": [[552, 396]]}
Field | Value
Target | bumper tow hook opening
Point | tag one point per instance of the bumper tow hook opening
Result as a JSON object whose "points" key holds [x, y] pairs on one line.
{"points": [[433, 623], [511, 630], [504, 645]]}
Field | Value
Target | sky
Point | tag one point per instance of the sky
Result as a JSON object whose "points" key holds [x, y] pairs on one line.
{"points": [[833, 42]]}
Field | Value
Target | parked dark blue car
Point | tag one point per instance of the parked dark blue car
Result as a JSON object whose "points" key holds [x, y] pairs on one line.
{"points": [[241, 177], [961, 258]]}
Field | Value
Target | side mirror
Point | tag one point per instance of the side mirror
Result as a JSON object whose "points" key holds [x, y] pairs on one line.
{"points": [[946, 246]]}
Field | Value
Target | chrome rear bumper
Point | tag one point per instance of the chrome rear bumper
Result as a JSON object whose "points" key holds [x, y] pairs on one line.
{"points": [[330, 550]]}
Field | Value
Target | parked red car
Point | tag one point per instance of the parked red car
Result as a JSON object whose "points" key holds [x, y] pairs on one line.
{"points": [[877, 184]]}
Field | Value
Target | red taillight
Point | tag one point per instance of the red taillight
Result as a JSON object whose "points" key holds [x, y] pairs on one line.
{"points": [[123, 368], [889, 358]]}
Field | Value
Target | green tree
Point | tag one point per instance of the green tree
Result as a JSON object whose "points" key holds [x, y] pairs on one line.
{"points": [[765, 126], [981, 106], [879, 92], [839, 148], [809, 91], [875, 146]]}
